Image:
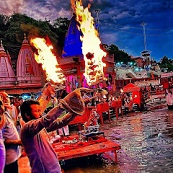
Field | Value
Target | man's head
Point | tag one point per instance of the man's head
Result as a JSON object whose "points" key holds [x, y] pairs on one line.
{"points": [[4, 97], [30, 109]]}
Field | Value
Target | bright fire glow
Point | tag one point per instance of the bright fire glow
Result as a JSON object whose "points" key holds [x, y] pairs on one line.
{"points": [[48, 60], [91, 50]]}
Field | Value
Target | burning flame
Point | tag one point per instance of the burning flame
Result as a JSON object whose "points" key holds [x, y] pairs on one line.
{"points": [[92, 52], [48, 60]]}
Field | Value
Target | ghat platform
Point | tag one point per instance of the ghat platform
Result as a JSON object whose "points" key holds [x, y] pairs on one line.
{"points": [[68, 150]]}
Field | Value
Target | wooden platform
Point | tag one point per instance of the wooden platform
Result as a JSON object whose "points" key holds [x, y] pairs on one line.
{"points": [[87, 148]]}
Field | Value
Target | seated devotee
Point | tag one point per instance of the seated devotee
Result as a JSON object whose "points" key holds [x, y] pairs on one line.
{"points": [[42, 157]]}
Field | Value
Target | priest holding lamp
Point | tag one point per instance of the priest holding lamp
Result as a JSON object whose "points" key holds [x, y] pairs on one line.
{"points": [[34, 135]]}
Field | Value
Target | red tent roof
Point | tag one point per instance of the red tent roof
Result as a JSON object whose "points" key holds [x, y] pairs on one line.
{"points": [[131, 88]]}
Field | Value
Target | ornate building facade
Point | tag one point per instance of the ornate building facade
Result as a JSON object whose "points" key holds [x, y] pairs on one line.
{"points": [[28, 77]]}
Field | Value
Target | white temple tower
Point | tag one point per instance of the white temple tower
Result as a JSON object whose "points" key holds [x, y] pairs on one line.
{"points": [[28, 70], [7, 76]]}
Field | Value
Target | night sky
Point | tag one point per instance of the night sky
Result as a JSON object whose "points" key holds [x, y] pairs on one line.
{"points": [[119, 21]]}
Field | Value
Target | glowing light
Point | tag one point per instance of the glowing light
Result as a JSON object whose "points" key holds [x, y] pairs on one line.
{"points": [[121, 90], [48, 60], [91, 50]]}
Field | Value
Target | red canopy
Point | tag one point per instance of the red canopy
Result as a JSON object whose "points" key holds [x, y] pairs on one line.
{"points": [[131, 88]]}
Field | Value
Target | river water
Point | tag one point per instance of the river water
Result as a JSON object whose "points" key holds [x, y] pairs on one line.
{"points": [[146, 140]]}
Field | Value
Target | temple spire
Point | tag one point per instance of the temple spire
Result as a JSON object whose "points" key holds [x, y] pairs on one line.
{"points": [[1, 46], [27, 67], [6, 70]]}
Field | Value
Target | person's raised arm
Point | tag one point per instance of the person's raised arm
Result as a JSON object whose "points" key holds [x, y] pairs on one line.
{"points": [[48, 92]]}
